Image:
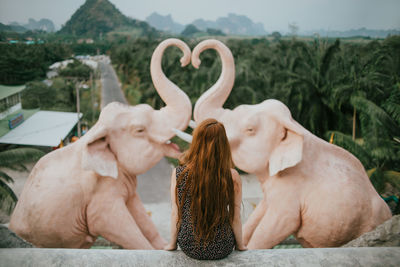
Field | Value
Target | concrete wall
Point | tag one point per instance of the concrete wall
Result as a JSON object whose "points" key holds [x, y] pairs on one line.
{"points": [[284, 257]]}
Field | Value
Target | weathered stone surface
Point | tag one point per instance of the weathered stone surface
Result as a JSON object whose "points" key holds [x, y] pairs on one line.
{"points": [[8, 239], [385, 235], [280, 257], [102, 242]]}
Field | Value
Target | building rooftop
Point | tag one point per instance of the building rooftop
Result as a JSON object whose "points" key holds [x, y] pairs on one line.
{"points": [[6, 91], [43, 128]]}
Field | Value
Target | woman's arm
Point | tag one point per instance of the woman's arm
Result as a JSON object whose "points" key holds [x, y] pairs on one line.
{"points": [[237, 223], [174, 215]]}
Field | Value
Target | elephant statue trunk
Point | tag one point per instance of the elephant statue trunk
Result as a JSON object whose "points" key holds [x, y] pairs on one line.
{"points": [[210, 103], [178, 103]]}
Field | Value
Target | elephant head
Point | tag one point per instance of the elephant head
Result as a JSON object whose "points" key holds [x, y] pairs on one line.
{"points": [[137, 137], [263, 137]]}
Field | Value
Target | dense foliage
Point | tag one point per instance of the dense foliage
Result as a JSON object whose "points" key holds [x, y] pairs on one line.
{"points": [[61, 94], [76, 70], [350, 89], [20, 63], [346, 91], [14, 159]]}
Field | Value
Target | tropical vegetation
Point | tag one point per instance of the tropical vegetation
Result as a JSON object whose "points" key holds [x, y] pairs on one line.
{"points": [[346, 91], [61, 94], [341, 90], [14, 159]]}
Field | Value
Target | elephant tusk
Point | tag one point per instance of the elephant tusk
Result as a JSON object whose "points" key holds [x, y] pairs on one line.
{"points": [[168, 142], [184, 136], [192, 124]]}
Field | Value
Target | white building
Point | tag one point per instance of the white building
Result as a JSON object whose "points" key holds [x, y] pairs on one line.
{"points": [[10, 99], [32, 127]]}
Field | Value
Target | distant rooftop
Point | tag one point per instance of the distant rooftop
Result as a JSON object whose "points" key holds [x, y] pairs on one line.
{"points": [[4, 122], [6, 91], [43, 128]]}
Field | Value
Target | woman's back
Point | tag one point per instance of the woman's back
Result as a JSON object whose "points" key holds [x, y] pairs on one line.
{"points": [[206, 194], [219, 247]]}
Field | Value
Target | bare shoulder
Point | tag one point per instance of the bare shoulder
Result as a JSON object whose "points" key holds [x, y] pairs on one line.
{"points": [[173, 174], [173, 177]]}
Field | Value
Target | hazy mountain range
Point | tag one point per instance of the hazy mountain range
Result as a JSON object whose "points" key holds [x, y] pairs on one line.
{"points": [[97, 17], [231, 25], [352, 33], [164, 23], [42, 25]]}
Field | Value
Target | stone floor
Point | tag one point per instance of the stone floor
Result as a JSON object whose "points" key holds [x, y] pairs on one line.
{"points": [[279, 257]]}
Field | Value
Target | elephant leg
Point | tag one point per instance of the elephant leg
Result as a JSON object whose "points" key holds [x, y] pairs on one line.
{"points": [[145, 223], [253, 221], [274, 227], [115, 223]]}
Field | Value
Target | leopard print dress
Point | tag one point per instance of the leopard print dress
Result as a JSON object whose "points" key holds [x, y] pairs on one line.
{"points": [[218, 248]]}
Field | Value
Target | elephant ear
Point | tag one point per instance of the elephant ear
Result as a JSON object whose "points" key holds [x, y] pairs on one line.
{"points": [[289, 150], [97, 154]]}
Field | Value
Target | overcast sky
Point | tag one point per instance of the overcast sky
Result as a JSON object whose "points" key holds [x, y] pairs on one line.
{"points": [[274, 14]]}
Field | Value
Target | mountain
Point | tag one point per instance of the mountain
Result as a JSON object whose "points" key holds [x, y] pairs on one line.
{"points": [[164, 23], [43, 24], [232, 25], [33, 25], [5, 28], [97, 17], [362, 32], [13, 27]]}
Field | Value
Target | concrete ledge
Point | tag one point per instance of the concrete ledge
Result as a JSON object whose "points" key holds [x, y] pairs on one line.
{"points": [[389, 256]]}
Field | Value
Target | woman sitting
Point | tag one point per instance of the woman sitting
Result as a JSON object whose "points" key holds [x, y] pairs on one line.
{"points": [[206, 195]]}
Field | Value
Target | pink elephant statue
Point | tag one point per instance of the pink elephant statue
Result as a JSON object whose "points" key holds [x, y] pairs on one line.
{"points": [[88, 189], [316, 191]]}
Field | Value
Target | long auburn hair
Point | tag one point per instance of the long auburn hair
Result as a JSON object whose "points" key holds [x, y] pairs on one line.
{"points": [[208, 163]]}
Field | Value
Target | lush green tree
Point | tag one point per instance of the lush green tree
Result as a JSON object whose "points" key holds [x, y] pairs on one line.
{"points": [[379, 147], [215, 32], [77, 70], [59, 96], [190, 30], [311, 78], [328, 85], [357, 77], [13, 159], [21, 63]]}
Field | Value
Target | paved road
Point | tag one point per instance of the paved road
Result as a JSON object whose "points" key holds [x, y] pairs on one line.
{"points": [[111, 90], [153, 186]]}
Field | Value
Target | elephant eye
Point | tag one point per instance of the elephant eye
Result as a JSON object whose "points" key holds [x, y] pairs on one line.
{"points": [[250, 131], [140, 130]]}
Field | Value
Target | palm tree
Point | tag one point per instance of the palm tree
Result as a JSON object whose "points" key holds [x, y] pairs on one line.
{"points": [[14, 159], [311, 80], [379, 149], [357, 77]]}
